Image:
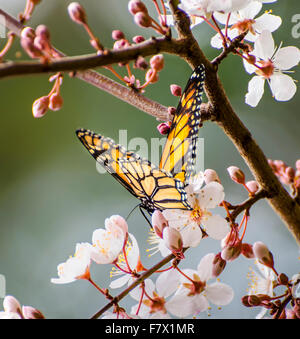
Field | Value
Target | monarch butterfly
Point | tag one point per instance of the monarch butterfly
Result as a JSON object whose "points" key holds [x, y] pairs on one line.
{"points": [[157, 188]]}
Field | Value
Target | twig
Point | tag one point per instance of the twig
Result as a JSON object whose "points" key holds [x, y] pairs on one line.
{"points": [[134, 284]]}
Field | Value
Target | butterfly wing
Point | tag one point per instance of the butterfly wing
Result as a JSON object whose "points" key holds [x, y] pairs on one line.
{"points": [[179, 153], [156, 188]]}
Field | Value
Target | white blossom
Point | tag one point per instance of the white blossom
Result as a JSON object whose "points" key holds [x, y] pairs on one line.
{"points": [[273, 64], [202, 200]]}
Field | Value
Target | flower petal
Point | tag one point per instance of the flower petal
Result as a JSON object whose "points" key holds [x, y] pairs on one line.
{"points": [[211, 195], [205, 267], [264, 46], [251, 11], [216, 227], [268, 22], [255, 91], [287, 57], [283, 87], [167, 283], [219, 293]]}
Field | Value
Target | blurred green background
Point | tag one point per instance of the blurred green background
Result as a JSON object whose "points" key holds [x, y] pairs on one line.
{"points": [[52, 196]]}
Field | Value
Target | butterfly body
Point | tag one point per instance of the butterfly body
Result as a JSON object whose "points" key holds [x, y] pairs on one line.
{"points": [[156, 187]]}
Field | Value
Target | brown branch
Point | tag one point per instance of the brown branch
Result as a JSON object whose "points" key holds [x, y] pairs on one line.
{"points": [[137, 282]]}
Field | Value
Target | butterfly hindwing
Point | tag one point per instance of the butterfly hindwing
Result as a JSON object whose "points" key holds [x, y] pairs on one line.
{"points": [[178, 156], [156, 189]]}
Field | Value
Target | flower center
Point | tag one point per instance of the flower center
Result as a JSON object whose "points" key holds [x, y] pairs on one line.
{"points": [[244, 25], [198, 214], [266, 69]]}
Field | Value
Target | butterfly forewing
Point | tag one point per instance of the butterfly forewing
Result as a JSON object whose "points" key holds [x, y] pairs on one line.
{"points": [[157, 189], [178, 156]]}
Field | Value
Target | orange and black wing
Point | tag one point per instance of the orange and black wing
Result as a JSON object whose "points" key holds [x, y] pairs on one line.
{"points": [[179, 153], [155, 188]]}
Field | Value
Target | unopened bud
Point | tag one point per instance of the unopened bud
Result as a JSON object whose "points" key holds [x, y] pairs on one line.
{"points": [[290, 173], [122, 43], [32, 313], [175, 90], [298, 165], [135, 6], [29, 47], [163, 128], [252, 186], [171, 110], [283, 279], [236, 174], [172, 239], [117, 220], [290, 314], [141, 63], [247, 251], [263, 254], [157, 62], [55, 102], [142, 19], [296, 308], [40, 107], [151, 76], [117, 34], [11, 304], [43, 32], [253, 300], [138, 39], [218, 265], [77, 13], [27, 33], [230, 253], [159, 222], [211, 175]]}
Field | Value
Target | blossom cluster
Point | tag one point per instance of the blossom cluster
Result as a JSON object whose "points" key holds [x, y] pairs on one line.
{"points": [[258, 50]]}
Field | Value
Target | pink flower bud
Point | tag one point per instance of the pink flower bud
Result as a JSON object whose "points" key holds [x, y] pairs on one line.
{"points": [[55, 102], [172, 239], [141, 63], [31, 49], [296, 308], [117, 34], [32, 313], [11, 304], [290, 314], [283, 279], [263, 254], [119, 44], [218, 265], [117, 220], [159, 222], [171, 110], [40, 107], [163, 128], [230, 253], [298, 165], [142, 19], [236, 174], [211, 175], [138, 39], [77, 13], [151, 76], [135, 6], [157, 62], [43, 32], [252, 186], [28, 33], [247, 251], [290, 173], [175, 90]]}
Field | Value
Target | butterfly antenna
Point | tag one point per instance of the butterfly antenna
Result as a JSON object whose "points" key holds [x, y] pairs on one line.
{"points": [[131, 212], [143, 213]]}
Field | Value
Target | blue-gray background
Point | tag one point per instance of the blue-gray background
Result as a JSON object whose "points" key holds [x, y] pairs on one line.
{"points": [[51, 195]]}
